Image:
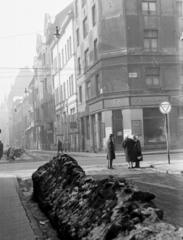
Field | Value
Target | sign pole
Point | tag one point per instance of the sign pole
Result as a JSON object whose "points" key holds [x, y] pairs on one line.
{"points": [[168, 153], [165, 108]]}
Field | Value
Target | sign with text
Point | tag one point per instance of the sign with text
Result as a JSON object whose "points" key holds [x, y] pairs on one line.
{"points": [[137, 127], [132, 75], [135, 101]]}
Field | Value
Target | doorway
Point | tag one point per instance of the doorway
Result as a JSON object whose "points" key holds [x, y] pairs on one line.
{"points": [[117, 126]]}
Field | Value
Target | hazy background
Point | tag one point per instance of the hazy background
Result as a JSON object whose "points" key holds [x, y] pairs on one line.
{"points": [[20, 22]]}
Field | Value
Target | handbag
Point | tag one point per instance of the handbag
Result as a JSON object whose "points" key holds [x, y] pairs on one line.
{"points": [[139, 156]]}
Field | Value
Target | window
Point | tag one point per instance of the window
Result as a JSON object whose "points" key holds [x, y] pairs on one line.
{"points": [[61, 93], [83, 3], [62, 57], [68, 95], [70, 45], [97, 80], [55, 64], [45, 85], [154, 122], [149, 7], [94, 15], [153, 77], [87, 128], [85, 27], [86, 58], [59, 61], [77, 36], [71, 85], [180, 8], [80, 94], [76, 8], [88, 90], [68, 49], [79, 66], [65, 53], [72, 115], [64, 92], [151, 40], [44, 59], [95, 50]]}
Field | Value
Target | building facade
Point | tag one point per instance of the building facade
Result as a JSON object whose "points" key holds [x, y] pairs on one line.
{"points": [[63, 59], [129, 60]]}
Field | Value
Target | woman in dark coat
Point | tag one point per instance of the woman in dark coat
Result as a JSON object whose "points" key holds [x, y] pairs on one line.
{"points": [[137, 152], [128, 145], [59, 147], [1, 149], [110, 151]]}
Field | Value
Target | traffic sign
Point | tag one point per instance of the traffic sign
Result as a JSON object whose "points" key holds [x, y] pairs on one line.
{"points": [[165, 107]]}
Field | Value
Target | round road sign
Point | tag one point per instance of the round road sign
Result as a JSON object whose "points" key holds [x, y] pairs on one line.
{"points": [[165, 107]]}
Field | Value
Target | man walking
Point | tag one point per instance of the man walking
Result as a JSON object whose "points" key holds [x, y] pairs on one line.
{"points": [[1, 149], [128, 145], [110, 151]]}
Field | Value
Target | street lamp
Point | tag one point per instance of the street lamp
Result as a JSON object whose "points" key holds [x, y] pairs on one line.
{"points": [[57, 34]]}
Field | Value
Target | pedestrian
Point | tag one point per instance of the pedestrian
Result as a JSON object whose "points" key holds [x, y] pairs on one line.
{"points": [[137, 152], [110, 151], [65, 145], [68, 145], [60, 150], [128, 145], [1, 149]]}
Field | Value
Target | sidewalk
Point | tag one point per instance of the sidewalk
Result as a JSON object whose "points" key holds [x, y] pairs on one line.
{"points": [[14, 223]]}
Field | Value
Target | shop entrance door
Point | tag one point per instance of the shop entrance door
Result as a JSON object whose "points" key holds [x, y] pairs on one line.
{"points": [[117, 122]]}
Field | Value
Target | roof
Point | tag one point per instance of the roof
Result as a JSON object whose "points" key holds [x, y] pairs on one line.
{"points": [[59, 18]]}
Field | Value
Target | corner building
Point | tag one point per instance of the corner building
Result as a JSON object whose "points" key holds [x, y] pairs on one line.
{"points": [[129, 60]]}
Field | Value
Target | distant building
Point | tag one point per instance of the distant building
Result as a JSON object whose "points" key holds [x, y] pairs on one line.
{"points": [[129, 60]]}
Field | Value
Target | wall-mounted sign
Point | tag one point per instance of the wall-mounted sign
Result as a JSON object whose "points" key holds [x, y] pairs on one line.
{"points": [[135, 101], [127, 132], [137, 127], [119, 133], [117, 102], [132, 75]]}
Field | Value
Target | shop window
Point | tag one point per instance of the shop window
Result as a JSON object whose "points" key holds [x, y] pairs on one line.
{"points": [[154, 126], [151, 40], [149, 7]]}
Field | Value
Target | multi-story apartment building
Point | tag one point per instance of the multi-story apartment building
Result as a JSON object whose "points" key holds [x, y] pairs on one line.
{"points": [[128, 62], [17, 115], [64, 78]]}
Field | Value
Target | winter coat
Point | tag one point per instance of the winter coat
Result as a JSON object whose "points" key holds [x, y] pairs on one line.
{"points": [[110, 150], [1, 150], [128, 145], [137, 150], [59, 146]]}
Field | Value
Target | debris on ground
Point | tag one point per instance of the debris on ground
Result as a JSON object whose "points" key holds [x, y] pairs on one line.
{"points": [[81, 207]]}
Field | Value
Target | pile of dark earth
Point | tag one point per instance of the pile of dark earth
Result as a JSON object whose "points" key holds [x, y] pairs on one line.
{"points": [[81, 207]]}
